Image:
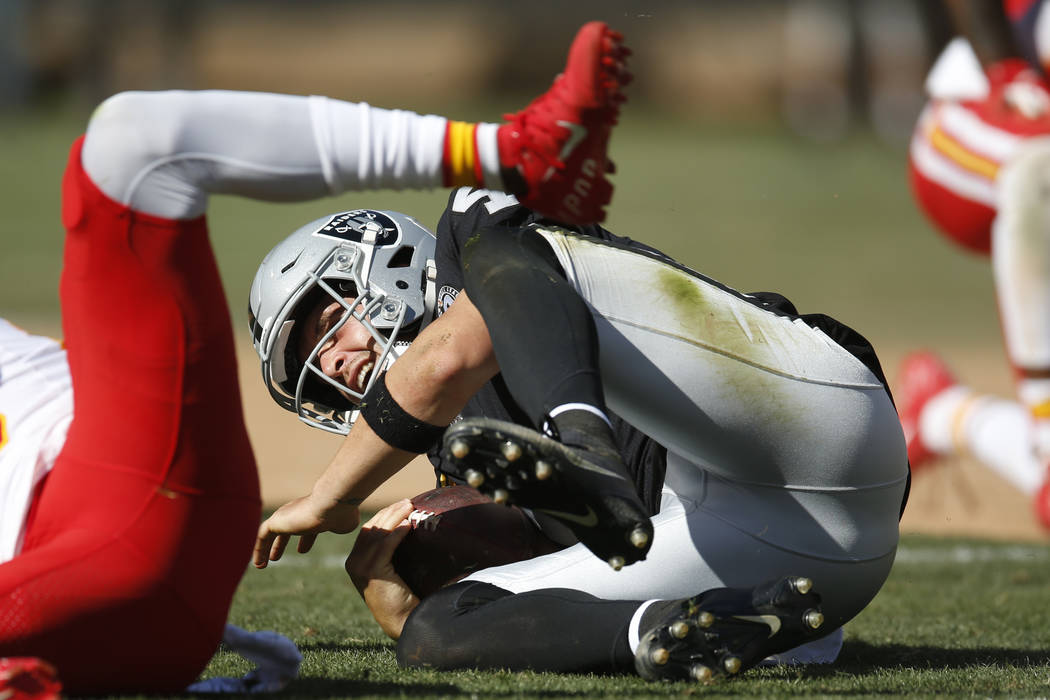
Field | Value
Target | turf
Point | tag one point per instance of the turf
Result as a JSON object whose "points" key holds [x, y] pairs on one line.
{"points": [[957, 617]]}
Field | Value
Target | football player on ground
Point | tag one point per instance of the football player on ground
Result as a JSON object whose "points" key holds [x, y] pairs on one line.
{"points": [[719, 452], [129, 505], [979, 163]]}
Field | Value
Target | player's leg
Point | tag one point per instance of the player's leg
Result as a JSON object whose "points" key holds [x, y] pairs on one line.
{"points": [[545, 341], [705, 523], [1021, 264], [731, 386], [696, 549], [719, 632], [283, 147], [729, 380], [158, 442], [479, 625], [942, 417]]}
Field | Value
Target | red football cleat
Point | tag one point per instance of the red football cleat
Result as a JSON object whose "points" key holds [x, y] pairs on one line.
{"points": [[1042, 503], [28, 678], [553, 152], [922, 376]]}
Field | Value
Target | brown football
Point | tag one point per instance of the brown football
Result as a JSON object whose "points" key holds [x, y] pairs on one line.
{"points": [[456, 530]]}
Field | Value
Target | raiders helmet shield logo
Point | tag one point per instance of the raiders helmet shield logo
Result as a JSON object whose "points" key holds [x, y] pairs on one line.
{"points": [[351, 226]]}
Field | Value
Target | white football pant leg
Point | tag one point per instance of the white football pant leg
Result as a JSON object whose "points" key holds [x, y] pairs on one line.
{"points": [[1021, 264]]}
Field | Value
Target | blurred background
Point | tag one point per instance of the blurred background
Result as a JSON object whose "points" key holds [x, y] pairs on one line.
{"points": [[764, 143]]}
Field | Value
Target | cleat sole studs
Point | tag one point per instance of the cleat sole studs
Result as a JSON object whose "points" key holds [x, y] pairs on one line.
{"points": [[660, 656], [705, 619], [544, 470], [511, 451], [459, 448], [802, 585], [732, 664], [475, 478], [616, 562], [500, 495], [701, 673], [679, 629], [813, 619], [639, 538]]}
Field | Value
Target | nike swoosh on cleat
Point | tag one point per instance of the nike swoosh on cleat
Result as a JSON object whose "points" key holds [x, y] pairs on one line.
{"points": [[589, 519], [577, 133], [771, 620]]}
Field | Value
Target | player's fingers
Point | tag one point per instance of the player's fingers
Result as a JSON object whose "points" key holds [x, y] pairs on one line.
{"points": [[279, 544], [391, 516], [305, 543], [371, 551], [263, 542], [384, 551]]}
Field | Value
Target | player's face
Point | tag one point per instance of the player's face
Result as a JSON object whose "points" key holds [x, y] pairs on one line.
{"points": [[349, 356]]}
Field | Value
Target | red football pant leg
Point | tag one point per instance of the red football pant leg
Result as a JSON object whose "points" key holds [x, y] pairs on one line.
{"points": [[143, 529]]}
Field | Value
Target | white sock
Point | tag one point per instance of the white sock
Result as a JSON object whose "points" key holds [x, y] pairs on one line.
{"points": [[634, 635], [997, 432], [566, 407]]}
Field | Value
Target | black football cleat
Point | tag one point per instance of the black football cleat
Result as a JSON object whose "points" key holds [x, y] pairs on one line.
{"points": [[724, 631], [587, 491]]}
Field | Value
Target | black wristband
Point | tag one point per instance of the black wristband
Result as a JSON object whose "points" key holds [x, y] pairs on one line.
{"points": [[393, 424]]}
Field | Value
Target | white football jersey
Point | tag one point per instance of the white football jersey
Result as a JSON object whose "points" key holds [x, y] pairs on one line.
{"points": [[36, 407]]}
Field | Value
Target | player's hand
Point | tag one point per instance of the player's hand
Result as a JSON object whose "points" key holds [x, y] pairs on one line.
{"points": [[371, 568], [306, 517]]}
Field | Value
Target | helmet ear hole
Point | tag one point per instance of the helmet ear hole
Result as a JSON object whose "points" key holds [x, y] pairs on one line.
{"points": [[403, 257]]}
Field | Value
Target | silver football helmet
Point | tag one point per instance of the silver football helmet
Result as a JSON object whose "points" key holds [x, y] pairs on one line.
{"points": [[383, 261]]}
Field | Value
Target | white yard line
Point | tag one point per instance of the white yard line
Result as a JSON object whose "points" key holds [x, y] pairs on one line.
{"points": [[968, 554]]}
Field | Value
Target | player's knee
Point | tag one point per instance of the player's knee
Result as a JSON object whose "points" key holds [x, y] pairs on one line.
{"points": [[127, 126], [434, 635], [128, 135], [423, 640]]}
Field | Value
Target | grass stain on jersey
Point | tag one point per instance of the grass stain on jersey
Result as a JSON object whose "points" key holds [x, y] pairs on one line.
{"points": [[467, 245], [740, 338]]}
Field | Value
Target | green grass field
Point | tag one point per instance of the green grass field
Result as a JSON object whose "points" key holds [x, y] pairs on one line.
{"points": [[833, 228], [957, 617]]}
